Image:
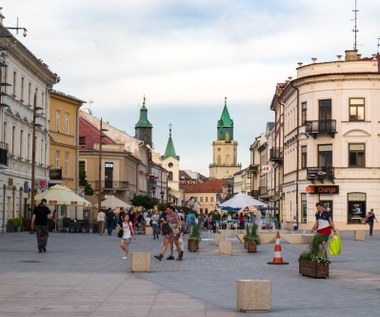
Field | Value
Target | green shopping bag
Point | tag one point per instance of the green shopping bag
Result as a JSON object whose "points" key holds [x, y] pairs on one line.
{"points": [[335, 246]]}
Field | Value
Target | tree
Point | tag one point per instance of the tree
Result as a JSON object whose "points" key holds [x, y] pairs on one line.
{"points": [[88, 190], [144, 201]]}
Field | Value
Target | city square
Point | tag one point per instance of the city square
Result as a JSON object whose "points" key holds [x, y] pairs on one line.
{"points": [[82, 274]]}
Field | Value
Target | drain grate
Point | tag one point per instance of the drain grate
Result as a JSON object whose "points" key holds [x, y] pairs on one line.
{"points": [[30, 261]]}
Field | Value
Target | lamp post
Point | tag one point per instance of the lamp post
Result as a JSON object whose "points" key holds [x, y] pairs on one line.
{"points": [[100, 164], [35, 109]]}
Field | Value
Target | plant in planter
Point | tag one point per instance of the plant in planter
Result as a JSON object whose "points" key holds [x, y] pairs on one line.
{"points": [[14, 224], [252, 238], [314, 262], [194, 238]]}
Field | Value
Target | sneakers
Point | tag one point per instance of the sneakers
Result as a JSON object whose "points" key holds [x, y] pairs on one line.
{"points": [[44, 249], [170, 257], [124, 258], [159, 257]]}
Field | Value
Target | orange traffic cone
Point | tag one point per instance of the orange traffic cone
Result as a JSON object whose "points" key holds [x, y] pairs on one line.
{"points": [[277, 257]]}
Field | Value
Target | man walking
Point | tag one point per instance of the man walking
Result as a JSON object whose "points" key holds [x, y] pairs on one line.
{"points": [[40, 218]]}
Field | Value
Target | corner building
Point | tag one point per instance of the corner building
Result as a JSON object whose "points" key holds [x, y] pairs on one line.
{"points": [[327, 127]]}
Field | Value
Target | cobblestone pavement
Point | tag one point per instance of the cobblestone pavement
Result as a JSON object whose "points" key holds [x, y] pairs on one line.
{"points": [[82, 274]]}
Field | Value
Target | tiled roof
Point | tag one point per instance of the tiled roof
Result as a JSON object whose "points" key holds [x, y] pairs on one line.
{"points": [[208, 186], [91, 134]]}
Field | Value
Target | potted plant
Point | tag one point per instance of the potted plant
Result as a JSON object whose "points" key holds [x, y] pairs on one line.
{"points": [[314, 262], [252, 238], [194, 238], [14, 224]]}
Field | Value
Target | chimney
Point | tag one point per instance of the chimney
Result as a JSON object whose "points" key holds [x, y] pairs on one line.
{"points": [[352, 55]]}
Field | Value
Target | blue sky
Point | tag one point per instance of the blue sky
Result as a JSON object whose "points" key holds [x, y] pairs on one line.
{"points": [[186, 56]]}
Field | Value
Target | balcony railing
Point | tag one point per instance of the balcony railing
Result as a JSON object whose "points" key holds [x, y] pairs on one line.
{"points": [[112, 185], [263, 190], [316, 127], [320, 173], [276, 154], [3, 154]]}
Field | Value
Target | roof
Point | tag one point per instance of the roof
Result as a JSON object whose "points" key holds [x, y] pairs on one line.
{"points": [[91, 134], [143, 121], [208, 186], [225, 120], [170, 151]]}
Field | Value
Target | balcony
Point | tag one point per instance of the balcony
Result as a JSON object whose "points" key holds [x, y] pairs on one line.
{"points": [[276, 154], [255, 193], [317, 127], [3, 155], [263, 190], [55, 174], [320, 173], [112, 185]]}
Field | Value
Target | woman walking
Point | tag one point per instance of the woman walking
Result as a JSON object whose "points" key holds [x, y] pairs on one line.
{"points": [[370, 220], [127, 236]]}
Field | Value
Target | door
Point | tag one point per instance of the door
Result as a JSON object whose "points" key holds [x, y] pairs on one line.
{"points": [[108, 175], [325, 116], [328, 205]]}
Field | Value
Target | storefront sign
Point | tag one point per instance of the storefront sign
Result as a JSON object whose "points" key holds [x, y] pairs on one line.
{"points": [[356, 196], [329, 190]]}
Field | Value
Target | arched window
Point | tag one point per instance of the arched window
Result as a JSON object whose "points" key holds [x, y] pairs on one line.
{"points": [[170, 176], [218, 160]]}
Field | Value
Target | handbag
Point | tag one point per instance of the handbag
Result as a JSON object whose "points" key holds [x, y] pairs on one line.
{"points": [[335, 246], [120, 233]]}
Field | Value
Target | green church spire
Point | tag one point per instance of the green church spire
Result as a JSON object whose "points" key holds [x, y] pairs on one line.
{"points": [[143, 121], [143, 128], [170, 151], [225, 128]]}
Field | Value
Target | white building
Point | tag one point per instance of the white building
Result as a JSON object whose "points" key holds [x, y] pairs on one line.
{"points": [[327, 125], [25, 84]]}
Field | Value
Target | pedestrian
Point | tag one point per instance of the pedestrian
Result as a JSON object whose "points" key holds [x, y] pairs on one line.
{"points": [[154, 223], [101, 219], [170, 227], [128, 233], [370, 220], [110, 221], [295, 225], [241, 221], [40, 218], [323, 222]]}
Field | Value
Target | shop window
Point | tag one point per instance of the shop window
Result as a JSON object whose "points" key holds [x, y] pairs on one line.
{"points": [[356, 205], [303, 208]]}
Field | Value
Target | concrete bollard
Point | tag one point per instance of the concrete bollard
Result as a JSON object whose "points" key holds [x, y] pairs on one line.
{"points": [[218, 238], [225, 247], [148, 230], [140, 262], [359, 235], [253, 295]]}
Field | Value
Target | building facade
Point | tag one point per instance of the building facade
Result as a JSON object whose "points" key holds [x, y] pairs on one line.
{"points": [[327, 138], [25, 108]]}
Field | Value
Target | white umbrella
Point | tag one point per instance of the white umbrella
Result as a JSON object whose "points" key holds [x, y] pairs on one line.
{"points": [[113, 202], [61, 195], [241, 200]]}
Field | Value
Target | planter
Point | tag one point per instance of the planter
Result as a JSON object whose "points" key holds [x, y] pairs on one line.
{"points": [[313, 269], [192, 245], [251, 247]]}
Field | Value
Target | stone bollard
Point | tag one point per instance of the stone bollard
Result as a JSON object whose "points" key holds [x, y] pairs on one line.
{"points": [[148, 230], [225, 247], [140, 262], [359, 235], [219, 237], [253, 295]]}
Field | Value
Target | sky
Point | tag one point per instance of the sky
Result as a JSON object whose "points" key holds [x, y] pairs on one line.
{"points": [[185, 57]]}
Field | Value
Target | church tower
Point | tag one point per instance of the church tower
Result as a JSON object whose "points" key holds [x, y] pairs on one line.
{"points": [[224, 163], [170, 161], [143, 128]]}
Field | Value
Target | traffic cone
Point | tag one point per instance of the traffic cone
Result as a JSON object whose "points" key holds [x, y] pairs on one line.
{"points": [[277, 257]]}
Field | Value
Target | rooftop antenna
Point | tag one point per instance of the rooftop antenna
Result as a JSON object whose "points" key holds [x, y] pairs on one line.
{"points": [[355, 30], [378, 45]]}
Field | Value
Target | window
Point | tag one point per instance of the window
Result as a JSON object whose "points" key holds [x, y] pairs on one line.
{"points": [[22, 88], [201, 199], [356, 155], [67, 122], [82, 140], [303, 156], [66, 165], [29, 147], [21, 142], [303, 208], [356, 109], [14, 83], [13, 148], [57, 121], [304, 113], [29, 94], [325, 155], [57, 154]]}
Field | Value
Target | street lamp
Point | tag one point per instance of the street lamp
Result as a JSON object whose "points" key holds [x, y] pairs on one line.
{"points": [[100, 164], [35, 109]]}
